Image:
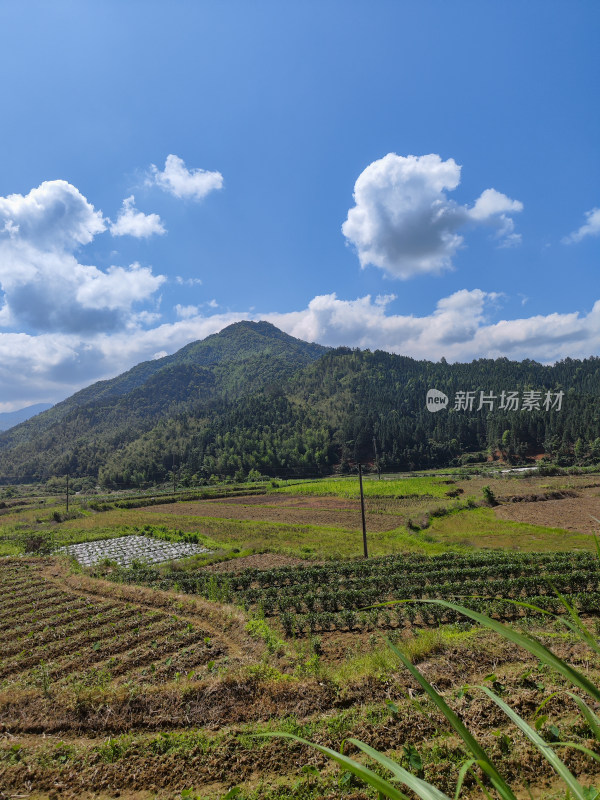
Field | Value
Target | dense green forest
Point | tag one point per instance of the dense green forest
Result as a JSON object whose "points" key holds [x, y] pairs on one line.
{"points": [[253, 400]]}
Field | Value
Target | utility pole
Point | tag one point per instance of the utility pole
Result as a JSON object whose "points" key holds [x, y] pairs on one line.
{"points": [[174, 473], [362, 511], [67, 492]]}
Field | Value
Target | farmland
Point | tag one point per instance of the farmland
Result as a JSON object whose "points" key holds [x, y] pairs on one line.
{"points": [[329, 598], [152, 680]]}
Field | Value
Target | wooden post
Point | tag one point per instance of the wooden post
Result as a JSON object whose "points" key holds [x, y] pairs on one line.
{"points": [[362, 511]]}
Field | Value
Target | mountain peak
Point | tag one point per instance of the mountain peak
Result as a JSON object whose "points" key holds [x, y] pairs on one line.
{"points": [[244, 339], [247, 324], [261, 327]]}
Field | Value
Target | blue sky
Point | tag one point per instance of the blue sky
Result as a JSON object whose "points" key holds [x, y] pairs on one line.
{"points": [[418, 177]]}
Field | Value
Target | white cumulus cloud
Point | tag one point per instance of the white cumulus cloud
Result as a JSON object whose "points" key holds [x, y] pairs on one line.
{"points": [[404, 222], [55, 215], [591, 227], [463, 326], [132, 222], [459, 328], [180, 181], [45, 287]]}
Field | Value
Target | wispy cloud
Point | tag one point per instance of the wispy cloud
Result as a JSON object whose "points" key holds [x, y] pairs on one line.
{"points": [[188, 281], [591, 227], [185, 312]]}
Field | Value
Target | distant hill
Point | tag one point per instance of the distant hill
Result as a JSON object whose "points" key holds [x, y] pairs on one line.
{"points": [[253, 398], [10, 418]]}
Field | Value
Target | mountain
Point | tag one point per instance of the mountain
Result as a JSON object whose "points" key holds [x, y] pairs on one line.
{"points": [[253, 398], [10, 418], [79, 433]]}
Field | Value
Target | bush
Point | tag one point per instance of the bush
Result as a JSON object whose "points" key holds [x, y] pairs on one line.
{"points": [[39, 543], [258, 629], [489, 497]]}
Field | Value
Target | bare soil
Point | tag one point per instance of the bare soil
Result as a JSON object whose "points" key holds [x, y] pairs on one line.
{"points": [[259, 561], [569, 513], [150, 695], [65, 751]]}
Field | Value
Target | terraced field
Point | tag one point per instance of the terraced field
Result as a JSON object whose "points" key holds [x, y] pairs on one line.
{"points": [[148, 684], [52, 637]]}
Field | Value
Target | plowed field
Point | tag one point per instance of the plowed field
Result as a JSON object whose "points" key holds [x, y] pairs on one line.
{"points": [[112, 691], [52, 637], [569, 513]]}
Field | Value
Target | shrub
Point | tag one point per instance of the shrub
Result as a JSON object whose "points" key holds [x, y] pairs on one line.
{"points": [[258, 629], [488, 496], [39, 543]]}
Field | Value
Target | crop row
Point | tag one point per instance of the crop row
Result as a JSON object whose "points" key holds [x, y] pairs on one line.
{"points": [[84, 631], [573, 574], [336, 599], [335, 595], [383, 571], [426, 614], [53, 637], [66, 618]]}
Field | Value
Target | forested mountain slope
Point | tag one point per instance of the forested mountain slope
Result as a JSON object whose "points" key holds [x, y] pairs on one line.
{"points": [[78, 434], [253, 398]]}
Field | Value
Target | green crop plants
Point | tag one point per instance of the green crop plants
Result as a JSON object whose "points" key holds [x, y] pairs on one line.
{"points": [[333, 596], [42, 678], [114, 749]]}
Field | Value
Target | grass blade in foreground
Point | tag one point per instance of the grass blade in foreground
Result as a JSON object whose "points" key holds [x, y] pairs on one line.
{"points": [[367, 775], [534, 647], [545, 749], [589, 716], [472, 744], [425, 790]]}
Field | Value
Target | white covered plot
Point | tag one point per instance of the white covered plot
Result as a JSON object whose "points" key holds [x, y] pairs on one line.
{"points": [[125, 549]]}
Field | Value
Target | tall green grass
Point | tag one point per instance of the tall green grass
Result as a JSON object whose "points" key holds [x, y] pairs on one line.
{"points": [[349, 488]]}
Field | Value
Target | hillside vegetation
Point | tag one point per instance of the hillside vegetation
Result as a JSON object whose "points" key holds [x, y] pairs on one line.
{"points": [[254, 398]]}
